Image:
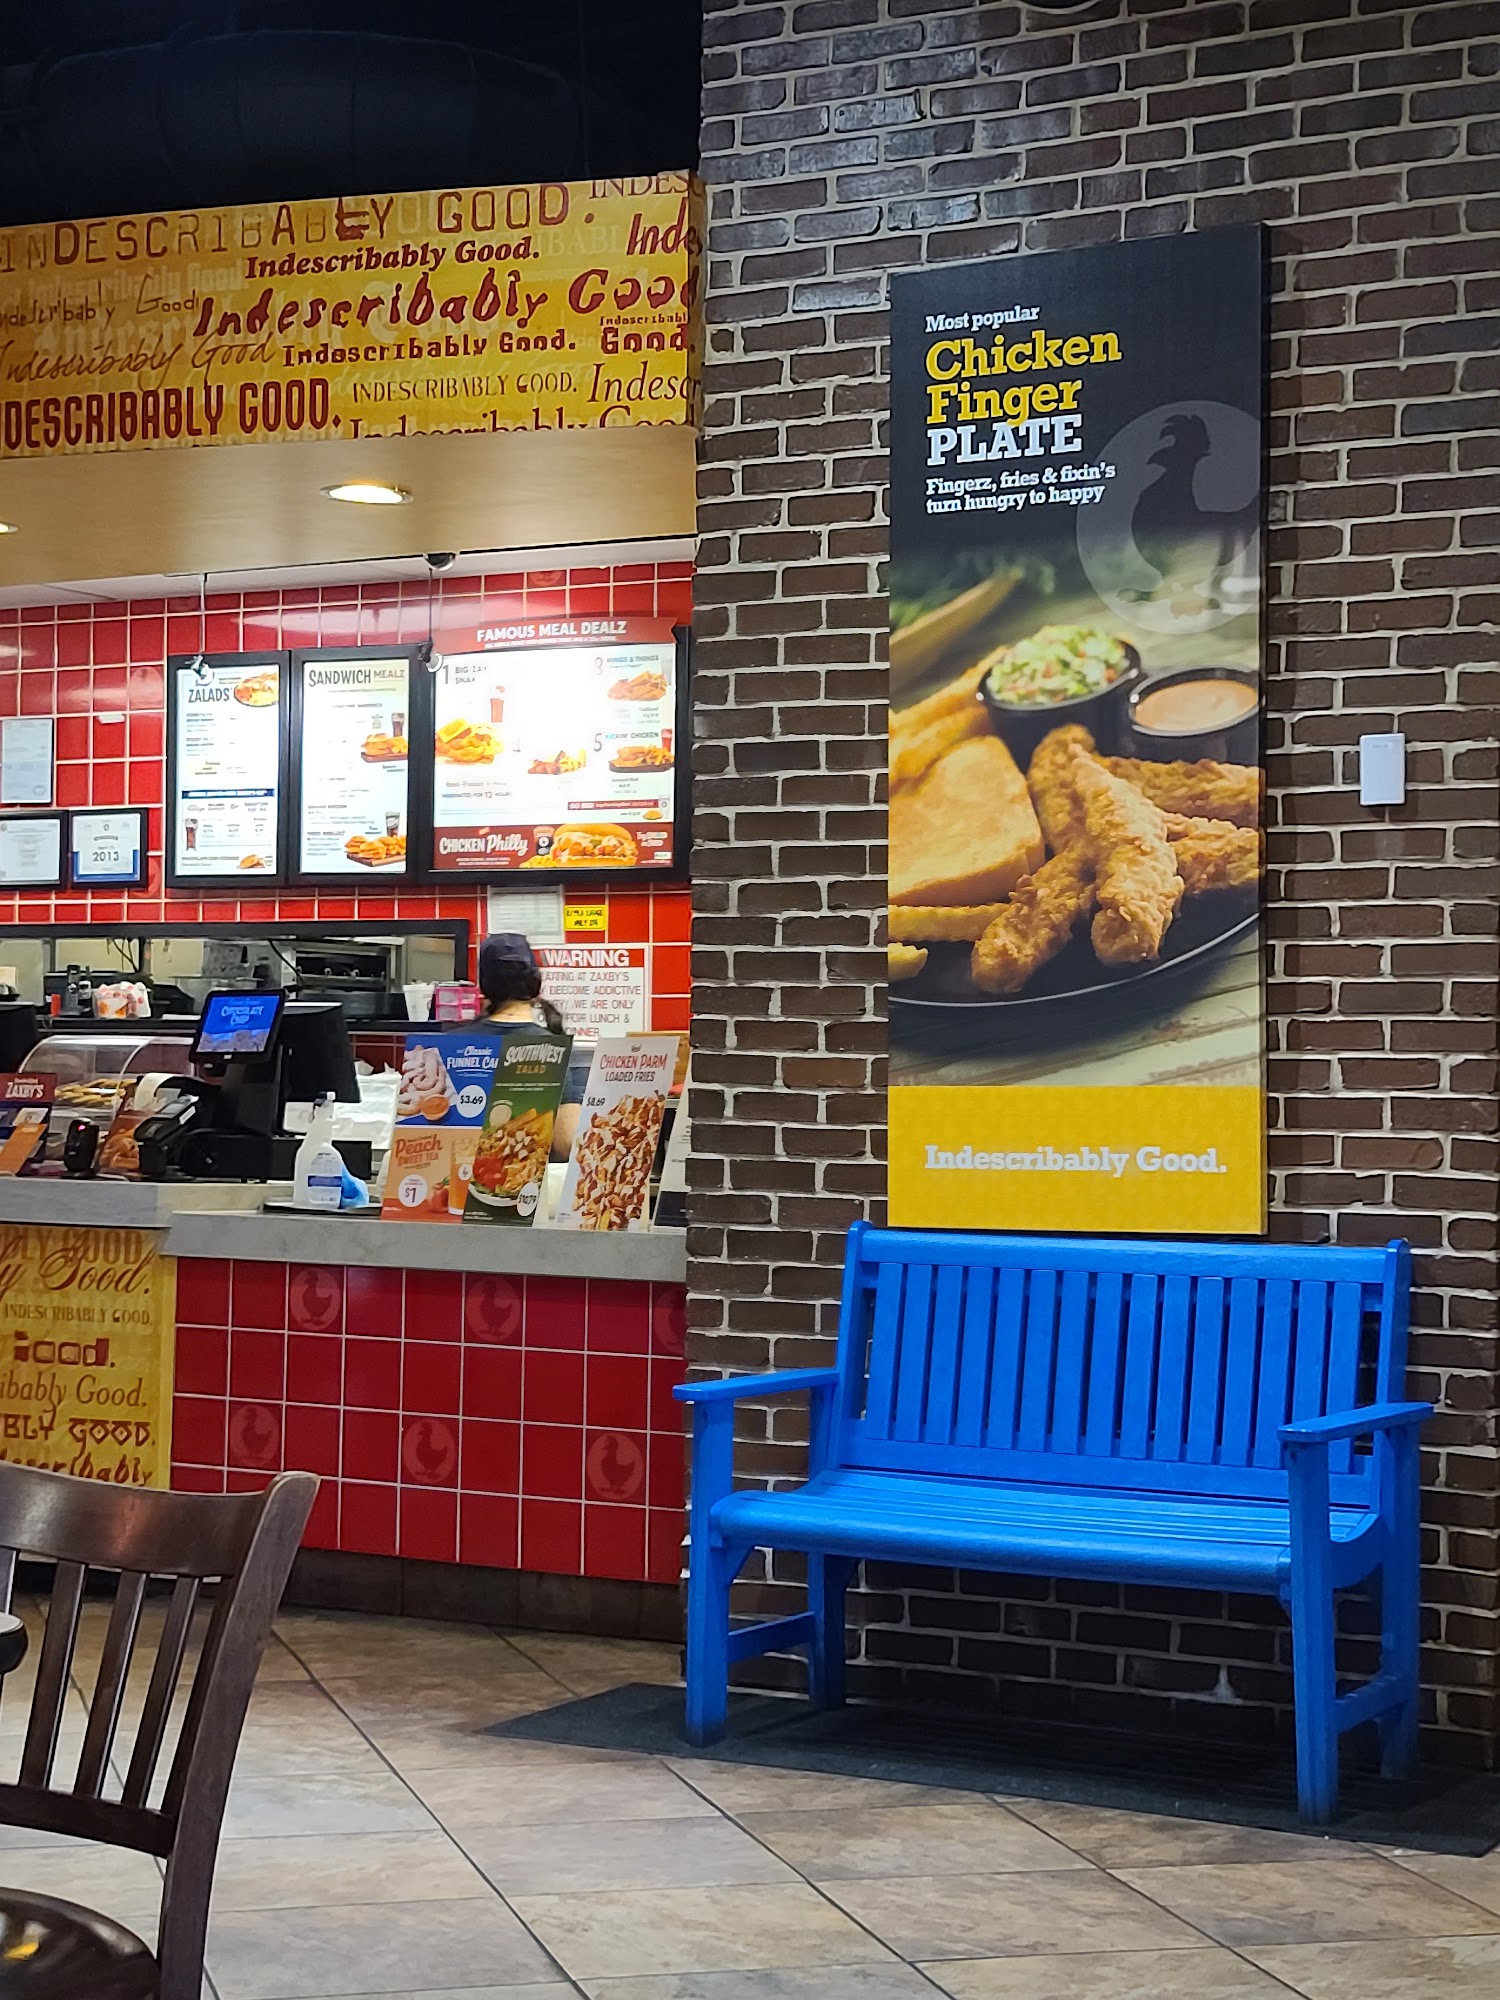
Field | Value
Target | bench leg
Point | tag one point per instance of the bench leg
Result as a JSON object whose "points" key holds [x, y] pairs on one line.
{"points": [[1401, 1613], [1316, 1690], [827, 1580], [709, 1579]]}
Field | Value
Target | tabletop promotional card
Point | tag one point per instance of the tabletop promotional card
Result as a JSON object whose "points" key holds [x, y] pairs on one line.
{"points": [[445, 1086], [509, 1168], [609, 1175], [25, 1109]]}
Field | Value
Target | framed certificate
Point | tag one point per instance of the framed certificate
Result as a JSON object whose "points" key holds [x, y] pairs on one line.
{"points": [[107, 846], [33, 850]]}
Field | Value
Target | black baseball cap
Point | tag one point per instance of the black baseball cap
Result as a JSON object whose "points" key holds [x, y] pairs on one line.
{"points": [[505, 949]]}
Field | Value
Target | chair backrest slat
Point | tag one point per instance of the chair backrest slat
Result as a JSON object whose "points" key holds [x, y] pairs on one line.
{"points": [[165, 1672], [53, 1669], [109, 1687], [1174, 1365]]}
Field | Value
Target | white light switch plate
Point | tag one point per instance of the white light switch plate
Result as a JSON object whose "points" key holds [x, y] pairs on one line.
{"points": [[1382, 770]]}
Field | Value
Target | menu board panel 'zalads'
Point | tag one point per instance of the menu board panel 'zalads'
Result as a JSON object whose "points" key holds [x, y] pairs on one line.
{"points": [[226, 766], [353, 757], [556, 754]]}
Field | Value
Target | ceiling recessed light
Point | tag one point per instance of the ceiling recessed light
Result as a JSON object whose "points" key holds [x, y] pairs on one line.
{"points": [[368, 493], [9, 528]]}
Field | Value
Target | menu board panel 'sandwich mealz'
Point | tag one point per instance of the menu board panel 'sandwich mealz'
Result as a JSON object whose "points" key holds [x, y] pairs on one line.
{"points": [[1076, 1017]]}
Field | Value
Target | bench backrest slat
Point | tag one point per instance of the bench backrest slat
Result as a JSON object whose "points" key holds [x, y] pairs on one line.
{"points": [[1164, 1365]]}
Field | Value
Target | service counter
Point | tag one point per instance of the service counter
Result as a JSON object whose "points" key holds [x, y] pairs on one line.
{"points": [[497, 1397]]}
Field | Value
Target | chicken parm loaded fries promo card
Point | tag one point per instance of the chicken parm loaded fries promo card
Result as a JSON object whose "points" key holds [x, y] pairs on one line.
{"points": [[624, 1103], [1076, 1019]]}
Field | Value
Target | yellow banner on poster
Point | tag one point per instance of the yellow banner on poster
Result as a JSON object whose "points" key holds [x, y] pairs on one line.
{"points": [[1169, 1160], [555, 306], [87, 1335]]}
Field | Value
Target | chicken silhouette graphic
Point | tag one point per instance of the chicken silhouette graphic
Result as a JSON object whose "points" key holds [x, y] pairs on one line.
{"points": [[616, 1466], [255, 1432], [429, 1451], [1189, 546]]}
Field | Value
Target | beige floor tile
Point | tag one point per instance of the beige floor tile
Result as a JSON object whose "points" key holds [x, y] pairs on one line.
{"points": [[590, 1666], [991, 1916], [112, 1879], [635, 1932], [386, 1948], [1283, 1902], [747, 1788], [329, 1803], [346, 1647], [971, 1837], [457, 1703], [1453, 1968], [321, 1871], [619, 1854], [1204, 1974], [1474, 1877], [558, 1794], [824, 1982], [1144, 1840]]}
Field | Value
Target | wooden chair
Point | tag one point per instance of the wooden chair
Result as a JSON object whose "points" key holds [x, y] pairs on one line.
{"points": [[242, 1543]]}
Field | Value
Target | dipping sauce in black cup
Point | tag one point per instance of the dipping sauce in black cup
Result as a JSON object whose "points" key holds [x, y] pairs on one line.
{"points": [[1196, 712]]}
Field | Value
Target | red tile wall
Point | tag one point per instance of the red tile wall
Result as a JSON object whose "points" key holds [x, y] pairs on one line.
{"points": [[519, 1423], [100, 669]]}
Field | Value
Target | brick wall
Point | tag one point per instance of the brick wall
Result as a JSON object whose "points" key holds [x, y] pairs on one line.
{"points": [[844, 140]]}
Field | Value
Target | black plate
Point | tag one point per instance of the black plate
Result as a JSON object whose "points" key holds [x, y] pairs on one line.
{"points": [[1205, 930]]}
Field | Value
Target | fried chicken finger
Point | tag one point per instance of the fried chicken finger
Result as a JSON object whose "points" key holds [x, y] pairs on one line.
{"points": [[903, 961], [1211, 854], [1205, 790], [1138, 885], [919, 924], [1053, 792], [1042, 914]]}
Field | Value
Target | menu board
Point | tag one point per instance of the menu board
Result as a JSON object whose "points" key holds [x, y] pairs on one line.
{"points": [[226, 768], [351, 756], [556, 756]]}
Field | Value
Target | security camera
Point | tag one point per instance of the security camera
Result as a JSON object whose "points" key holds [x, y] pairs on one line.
{"points": [[443, 559]]}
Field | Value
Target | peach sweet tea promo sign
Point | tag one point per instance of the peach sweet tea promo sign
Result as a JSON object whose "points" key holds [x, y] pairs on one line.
{"points": [[1076, 1020], [87, 1333], [558, 305]]}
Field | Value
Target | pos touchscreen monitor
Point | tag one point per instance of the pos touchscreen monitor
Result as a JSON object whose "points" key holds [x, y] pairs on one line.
{"points": [[237, 1026]]}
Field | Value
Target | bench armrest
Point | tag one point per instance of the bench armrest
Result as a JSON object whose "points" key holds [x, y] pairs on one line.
{"points": [[734, 1388], [1343, 1424]]}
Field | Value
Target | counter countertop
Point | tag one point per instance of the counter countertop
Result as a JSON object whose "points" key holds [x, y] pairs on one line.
{"points": [[106, 1204], [223, 1219], [659, 1254]]}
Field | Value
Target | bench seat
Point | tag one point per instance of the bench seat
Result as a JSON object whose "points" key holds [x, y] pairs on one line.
{"points": [[1213, 1416], [1041, 1530]]}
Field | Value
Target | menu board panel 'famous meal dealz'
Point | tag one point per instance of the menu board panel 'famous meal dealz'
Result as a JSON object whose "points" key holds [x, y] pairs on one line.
{"points": [[557, 753], [1076, 1017]]}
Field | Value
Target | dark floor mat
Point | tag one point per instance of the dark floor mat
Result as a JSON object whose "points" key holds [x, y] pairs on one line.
{"points": [[1443, 1811]]}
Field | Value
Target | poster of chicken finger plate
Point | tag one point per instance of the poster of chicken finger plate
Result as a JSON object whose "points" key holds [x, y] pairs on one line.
{"points": [[1076, 1014]]}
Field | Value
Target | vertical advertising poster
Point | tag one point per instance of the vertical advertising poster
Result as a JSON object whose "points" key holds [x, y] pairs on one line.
{"points": [[557, 754], [440, 1106], [624, 1102], [352, 764], [509, 1170], [226, 769], [87, 1338], [1076, 1015]]}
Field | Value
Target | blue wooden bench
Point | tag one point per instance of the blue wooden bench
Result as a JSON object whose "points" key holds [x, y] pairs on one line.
{"points": [[1135, 1412]]}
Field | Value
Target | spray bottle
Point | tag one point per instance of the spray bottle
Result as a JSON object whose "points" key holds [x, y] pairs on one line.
{"points": [[318, 1176]]}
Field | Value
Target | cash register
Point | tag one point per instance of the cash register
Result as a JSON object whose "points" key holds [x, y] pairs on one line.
{"points": [[254, 1053]]}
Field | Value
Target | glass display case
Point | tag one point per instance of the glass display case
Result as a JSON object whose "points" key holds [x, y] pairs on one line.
{"points": [[94, 1072]]}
